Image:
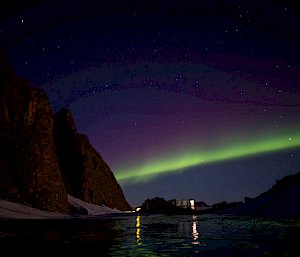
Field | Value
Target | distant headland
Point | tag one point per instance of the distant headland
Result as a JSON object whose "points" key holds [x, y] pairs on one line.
{"points": [[279, 202]]}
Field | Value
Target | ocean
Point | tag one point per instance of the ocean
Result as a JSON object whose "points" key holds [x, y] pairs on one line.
{"points": [[154, 235]]}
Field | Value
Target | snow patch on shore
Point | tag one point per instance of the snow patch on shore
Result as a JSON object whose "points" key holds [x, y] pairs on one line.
{"points": [[11, 210], [91, 209]]}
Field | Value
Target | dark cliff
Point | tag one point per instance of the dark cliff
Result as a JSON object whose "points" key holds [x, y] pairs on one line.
{"points": [[42, 159], [29, 170], [85, 173]]}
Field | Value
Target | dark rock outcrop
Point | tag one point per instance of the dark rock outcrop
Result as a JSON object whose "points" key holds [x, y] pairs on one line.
{"points": [[29, 170], [85, 173], [42, 157]]}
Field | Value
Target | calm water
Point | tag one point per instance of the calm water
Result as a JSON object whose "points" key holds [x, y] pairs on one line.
{"points": [[158, 235]]}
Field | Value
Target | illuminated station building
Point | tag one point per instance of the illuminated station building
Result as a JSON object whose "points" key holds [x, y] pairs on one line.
{"points": [[184, 203]]}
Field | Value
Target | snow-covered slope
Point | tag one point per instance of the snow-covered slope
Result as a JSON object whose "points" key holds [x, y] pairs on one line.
{"points": [[10, 210], [91, 209]]}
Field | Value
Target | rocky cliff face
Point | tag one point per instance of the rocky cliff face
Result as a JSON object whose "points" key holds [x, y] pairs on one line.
{"points": [[29, 169], [42, 159], [85, 173]]}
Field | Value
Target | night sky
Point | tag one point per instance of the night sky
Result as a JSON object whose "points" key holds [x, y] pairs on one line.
{"points": [[182, 99]]}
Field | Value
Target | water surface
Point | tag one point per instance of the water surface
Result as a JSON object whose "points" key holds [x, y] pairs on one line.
{"points": [[158, 235]]}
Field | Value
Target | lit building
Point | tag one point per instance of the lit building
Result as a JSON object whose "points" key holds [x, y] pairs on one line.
{"points": [[184, 203], [192, 204]]}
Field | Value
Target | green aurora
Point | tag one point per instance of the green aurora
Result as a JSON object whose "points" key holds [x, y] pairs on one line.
{"points": [[179, 162]]}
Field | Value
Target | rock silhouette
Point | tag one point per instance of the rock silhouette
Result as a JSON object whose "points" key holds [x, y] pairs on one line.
{"points": [[85, 173], [280, 201], [29, 170], [33, 166]]}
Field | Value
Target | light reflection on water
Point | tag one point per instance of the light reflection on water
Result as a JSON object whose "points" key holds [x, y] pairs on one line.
{"points": [[184, 235], [195, 231], [138, 230]]}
